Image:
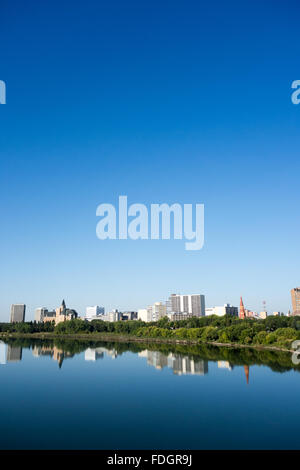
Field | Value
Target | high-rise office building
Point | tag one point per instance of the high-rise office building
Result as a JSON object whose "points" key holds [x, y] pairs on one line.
{"points": [[17, 313], [295, 294], [190, 304]]}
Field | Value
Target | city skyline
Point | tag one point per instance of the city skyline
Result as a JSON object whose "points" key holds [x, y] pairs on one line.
{"points": [[182, 304]]}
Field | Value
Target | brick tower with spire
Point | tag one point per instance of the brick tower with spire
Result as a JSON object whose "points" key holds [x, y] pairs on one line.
{"points": [[242, 314]]}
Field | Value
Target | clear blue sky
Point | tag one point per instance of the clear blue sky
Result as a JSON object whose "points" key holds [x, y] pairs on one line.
{"points": [[163, 101]]}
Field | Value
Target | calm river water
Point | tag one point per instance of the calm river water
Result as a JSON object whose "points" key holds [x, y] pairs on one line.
{"points": [[84, 395]]}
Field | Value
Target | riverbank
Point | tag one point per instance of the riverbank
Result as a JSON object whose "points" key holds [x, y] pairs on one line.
{"points": [[123, 338]]}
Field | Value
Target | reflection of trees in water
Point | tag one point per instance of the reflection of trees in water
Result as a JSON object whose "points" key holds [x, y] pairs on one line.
{"points": [[276, 360]]}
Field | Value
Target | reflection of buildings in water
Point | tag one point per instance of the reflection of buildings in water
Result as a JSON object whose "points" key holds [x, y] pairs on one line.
{"points": [[143, 354], [247, 370], [157, 359], [14, 353], [2, 353], [112, 353], [181, 365], [57, 354], [9, 353], [92, 354], [184, 365], [225, 365]]}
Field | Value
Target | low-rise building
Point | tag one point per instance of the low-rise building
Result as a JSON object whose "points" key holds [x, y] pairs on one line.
{"points": [[180, 316], [263, 315], [129, 316], [225, 309]]}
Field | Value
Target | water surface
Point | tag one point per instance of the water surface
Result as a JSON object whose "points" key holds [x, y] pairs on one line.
{"points": [[85, 395]]}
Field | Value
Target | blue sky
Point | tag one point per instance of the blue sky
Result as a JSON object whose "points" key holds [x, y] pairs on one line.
{"points": [[185, 102]]}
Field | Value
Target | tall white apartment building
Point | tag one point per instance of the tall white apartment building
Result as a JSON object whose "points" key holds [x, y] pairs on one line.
{"points": [[189, 304]]}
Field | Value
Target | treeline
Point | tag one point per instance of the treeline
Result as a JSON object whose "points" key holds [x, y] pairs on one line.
{"points": [[27, 327], [274, 330]]}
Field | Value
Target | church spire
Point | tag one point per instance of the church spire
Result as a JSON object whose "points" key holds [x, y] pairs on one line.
{"points": [[242, 309]]}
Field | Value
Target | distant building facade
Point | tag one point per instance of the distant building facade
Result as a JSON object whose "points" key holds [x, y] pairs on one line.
{"points": [[180, 316], [295, 294], [114, 315], [157, 311], [226, 309], [143, 315], [17, 313], [263, 315], [40, 313], [92, 313], [153, 312], [61, 314], [189, 304], [129, 316]]}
